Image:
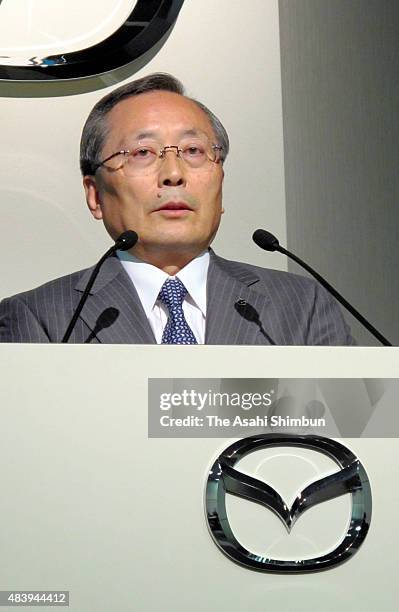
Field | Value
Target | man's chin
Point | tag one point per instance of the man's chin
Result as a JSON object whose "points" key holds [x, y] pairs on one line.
{"points": [[175, 237], [174, 244], [181, 246]]}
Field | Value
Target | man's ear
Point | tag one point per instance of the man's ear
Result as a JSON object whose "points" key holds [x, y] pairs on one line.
{"points": [[92, 196], [222, 211]]}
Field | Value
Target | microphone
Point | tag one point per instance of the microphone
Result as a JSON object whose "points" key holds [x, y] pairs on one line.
{"points": [[124, 242], [251, 314], [266, 241]]}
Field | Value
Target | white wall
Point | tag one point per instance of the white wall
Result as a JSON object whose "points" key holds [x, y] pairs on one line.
{"points": [[228, 56]]}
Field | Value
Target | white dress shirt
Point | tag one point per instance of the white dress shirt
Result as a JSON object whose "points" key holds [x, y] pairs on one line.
{"points": [[148, 281]]}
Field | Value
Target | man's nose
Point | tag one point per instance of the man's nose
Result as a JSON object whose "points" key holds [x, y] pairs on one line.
{"points": [[172, 172]]}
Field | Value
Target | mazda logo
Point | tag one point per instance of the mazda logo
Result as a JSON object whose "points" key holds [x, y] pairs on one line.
{"points": [[350, 478]]}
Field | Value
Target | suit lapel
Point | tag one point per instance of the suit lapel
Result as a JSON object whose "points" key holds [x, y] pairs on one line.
{"points": [[113, 310], [236, 312]]}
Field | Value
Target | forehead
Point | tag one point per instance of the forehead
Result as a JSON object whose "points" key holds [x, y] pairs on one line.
{"points": [[162, 112]]}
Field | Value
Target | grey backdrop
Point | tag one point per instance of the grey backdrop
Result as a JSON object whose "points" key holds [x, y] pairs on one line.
{"points": [[340, 79]]}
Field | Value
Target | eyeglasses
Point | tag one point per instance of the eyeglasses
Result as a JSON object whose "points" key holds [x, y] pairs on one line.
{"points": [[146, 157]]}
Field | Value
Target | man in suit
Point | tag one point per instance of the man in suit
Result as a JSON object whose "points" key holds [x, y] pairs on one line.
{"points": [[152, 161]]}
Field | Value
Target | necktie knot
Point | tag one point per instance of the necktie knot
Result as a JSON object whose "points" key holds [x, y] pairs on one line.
{"points": [[172, 293]]}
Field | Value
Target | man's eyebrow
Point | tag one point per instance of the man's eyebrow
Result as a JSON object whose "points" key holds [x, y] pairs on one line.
{"points": [[192, 132], [156, 135], [142, 135]]}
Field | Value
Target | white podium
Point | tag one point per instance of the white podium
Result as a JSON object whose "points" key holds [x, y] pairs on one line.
{"points": [[90, 504]]}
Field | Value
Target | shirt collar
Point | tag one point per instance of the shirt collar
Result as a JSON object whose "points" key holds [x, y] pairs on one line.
{"points": [[148, 279]]}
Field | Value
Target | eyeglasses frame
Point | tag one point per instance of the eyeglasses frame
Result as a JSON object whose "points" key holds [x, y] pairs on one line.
{"points": [[161, 155]]}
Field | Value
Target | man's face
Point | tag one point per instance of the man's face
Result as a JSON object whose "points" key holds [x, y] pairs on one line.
{"points": [[147, 203]]}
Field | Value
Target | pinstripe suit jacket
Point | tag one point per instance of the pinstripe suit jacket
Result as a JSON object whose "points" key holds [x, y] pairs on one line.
{"points": [[245, 305]]}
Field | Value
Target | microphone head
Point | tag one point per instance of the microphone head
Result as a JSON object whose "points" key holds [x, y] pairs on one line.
{"points": [[265, 240], [126, 240]]}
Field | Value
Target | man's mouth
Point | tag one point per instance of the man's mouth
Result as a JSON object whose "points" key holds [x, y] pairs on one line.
{"points": [[173, 206], [174, 210]]}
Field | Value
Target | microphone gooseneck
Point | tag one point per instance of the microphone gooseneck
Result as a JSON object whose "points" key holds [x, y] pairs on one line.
{"points": [[266, 241], [124, 242]]}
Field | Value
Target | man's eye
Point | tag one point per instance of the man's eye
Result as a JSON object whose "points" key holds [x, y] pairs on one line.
{"points": [[193, 150], [143, 152], [142, 155]]}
